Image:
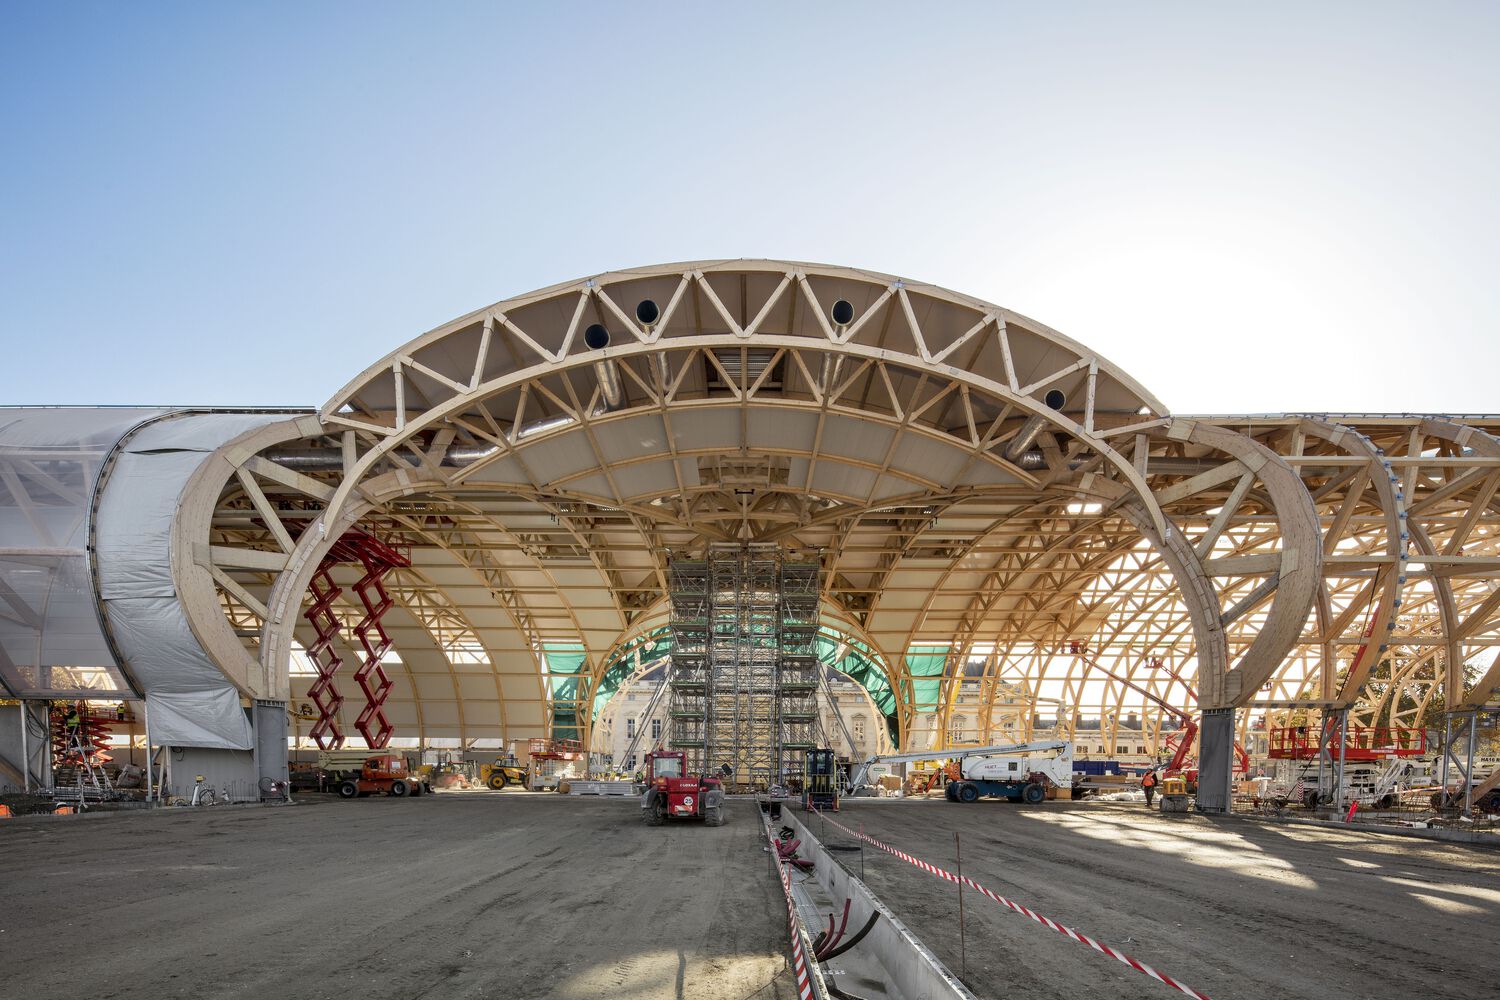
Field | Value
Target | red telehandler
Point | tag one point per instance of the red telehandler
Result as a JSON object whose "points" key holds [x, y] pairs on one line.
{"points": [[671, 792]]}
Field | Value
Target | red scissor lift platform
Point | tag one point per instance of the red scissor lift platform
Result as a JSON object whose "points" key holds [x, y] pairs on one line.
{"points": [[1361, 743], [548, 759]]}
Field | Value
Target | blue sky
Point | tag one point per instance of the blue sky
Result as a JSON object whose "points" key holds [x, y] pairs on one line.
{"points": [[1276, 207]]}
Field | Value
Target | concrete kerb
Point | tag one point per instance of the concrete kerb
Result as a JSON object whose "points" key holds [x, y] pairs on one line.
{"points": [[1480, 837], [911, 966]]}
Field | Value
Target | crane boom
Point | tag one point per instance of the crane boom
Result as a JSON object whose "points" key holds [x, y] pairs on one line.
{"points": [[857, 778]]}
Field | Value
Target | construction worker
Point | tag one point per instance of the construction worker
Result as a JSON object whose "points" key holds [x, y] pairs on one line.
{"points": [[1148, 785]]}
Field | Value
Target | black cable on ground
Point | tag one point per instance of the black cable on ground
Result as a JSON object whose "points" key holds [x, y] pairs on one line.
{"points": [[832, 937], [856, 939], [835, 991]]}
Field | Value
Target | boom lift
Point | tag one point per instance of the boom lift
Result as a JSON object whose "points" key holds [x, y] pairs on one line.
{"points": [[382, 774], [1180, 742], [1014, 771]]}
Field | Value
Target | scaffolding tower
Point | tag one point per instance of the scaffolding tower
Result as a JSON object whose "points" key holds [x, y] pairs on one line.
{"points": [[744, 670]]}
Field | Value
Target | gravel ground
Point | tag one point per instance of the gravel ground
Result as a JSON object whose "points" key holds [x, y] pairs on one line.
{"points": [[1232, 908], [499, 895]]}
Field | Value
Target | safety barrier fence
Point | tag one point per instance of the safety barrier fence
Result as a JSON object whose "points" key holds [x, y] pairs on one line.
{"points": [[800, 967], [1048, 922]]}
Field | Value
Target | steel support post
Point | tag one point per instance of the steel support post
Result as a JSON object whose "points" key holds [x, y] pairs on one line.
{"points": [[25, 747], [1215, 759], [270, 749], [1469, 762], [1338, 780], [146, 722], [1325, 756]]}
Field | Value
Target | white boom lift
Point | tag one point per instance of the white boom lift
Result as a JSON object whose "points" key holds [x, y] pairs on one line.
{"points": [[1020, 772]]}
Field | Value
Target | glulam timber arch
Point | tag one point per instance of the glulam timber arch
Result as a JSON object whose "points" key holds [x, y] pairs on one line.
{"points": [[984, 494]]}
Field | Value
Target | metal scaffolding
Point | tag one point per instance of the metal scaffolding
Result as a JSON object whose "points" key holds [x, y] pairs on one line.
{"points": [[798, 688], [744, 667]]}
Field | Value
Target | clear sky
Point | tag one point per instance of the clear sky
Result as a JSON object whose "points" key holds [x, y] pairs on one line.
{"points": [[1256, 208]]}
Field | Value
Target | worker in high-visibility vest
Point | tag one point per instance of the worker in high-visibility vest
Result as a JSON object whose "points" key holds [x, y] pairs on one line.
{"points": [[1148, 785]]}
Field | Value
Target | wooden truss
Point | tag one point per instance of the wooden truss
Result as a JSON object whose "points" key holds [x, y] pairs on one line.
{"points": [[995, 507]]}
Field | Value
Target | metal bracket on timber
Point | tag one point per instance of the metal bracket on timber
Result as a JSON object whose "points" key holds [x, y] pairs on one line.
{"points": [[378, 559]]}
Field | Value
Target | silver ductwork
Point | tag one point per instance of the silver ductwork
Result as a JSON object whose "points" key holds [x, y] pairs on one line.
{"points": [[1032, 428], [649, 315], [833, 367], [1025, 438], [596, 338]]}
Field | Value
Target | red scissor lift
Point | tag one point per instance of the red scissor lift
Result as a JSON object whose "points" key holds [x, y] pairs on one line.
{"points": [[548, 757], [1361, 744], [378, 559]]}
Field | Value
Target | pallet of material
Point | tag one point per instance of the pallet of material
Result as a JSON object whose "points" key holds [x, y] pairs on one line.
{"points": [[601, 787]]}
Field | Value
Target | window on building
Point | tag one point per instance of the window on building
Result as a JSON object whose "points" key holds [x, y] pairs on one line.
{"points": [[956, 727], [630, 728], [857, 730], [629, 761], [656, 729]]}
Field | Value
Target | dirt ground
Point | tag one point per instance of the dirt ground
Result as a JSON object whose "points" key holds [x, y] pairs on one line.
{"points": [[496, 895], [1232, 908]]}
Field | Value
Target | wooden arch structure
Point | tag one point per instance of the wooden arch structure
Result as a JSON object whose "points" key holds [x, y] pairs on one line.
{"points": [[999, 512]]}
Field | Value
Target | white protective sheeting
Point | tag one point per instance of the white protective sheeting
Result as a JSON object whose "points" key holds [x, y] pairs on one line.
{"points": [[189, 701], [51, 641]]}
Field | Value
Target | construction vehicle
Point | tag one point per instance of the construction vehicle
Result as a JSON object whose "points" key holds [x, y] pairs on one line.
{"points": [[80, 756], [1377, 762], [820, 787], [1020, 772], [672, 792], [382, 774], [1174, 794], [1180, 743], [447, 775], [1484, 795], [464, 774], [502, 773], [554, 763]]}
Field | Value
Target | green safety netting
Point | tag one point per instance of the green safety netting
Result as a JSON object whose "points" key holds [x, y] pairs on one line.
{"points": [[651, 645], [847, 655], [924, 668], [864, 667], [565, 662]]}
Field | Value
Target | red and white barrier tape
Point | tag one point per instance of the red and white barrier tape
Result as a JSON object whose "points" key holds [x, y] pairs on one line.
{"points": [[799, 956], [1063, 929]]}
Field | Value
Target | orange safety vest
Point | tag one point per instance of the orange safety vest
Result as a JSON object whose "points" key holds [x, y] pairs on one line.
{"points": [[1149, 781]]}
